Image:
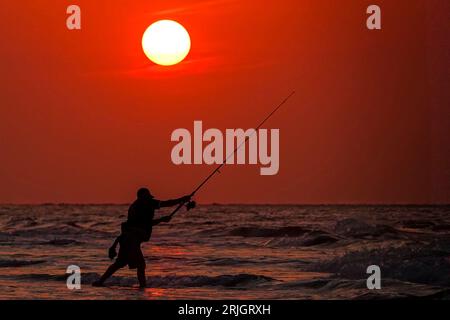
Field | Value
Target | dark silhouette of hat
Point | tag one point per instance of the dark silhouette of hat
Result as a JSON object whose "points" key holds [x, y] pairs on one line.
{"points": [[144, 193]]}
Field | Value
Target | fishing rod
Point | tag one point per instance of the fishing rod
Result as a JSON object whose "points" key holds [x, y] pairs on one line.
{"points": [[217, 170]]}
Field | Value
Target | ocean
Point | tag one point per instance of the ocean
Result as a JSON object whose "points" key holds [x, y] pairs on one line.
{"points": [[231, 252]]}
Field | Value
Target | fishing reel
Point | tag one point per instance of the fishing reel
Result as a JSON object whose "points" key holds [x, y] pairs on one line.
{"points": [[191, 205]]}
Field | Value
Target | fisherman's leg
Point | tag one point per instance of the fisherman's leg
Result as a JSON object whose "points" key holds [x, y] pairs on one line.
{"points": [[140, 264], [111, 270], [141, 276], [108, 273]]}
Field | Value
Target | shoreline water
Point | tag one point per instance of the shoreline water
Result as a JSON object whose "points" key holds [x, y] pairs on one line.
{"points": [[231, 251]]}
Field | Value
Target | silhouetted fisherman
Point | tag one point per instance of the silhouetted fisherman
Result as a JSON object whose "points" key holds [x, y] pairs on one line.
{"points": [[137, 229]]}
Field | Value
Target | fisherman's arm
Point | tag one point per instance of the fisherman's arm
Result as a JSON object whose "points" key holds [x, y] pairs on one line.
{"points": [[174, 202], [155, 222]]}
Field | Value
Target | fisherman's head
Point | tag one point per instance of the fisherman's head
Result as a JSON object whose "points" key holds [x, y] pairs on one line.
{"points": [[144, 193]]}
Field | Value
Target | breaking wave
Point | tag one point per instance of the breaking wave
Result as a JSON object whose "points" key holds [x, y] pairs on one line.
{"points": [[426, 264], [171, 281], [19, 263], [59, 242], [61, 231], [268, 232], [308, 240], [357, 229]]}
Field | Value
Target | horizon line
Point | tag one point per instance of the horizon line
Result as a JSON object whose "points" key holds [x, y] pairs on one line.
{"points": [[231, 204]]}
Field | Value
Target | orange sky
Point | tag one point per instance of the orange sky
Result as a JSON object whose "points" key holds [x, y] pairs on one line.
{"points": [[86, 117]]}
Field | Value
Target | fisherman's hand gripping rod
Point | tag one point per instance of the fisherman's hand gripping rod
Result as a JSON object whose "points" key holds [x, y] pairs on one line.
{"points": [[217, 170]]}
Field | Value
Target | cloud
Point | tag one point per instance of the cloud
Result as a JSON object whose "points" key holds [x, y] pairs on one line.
{"points": [[196, 8]]}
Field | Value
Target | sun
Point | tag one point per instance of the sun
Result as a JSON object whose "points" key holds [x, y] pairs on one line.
{"points": [[166, 42]]}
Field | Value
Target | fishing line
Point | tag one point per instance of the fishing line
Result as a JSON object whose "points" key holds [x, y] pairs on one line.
{"points": [[217, 170]]}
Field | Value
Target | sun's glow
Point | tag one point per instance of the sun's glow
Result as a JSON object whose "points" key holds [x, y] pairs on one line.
{"points": [[166, 42]]}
